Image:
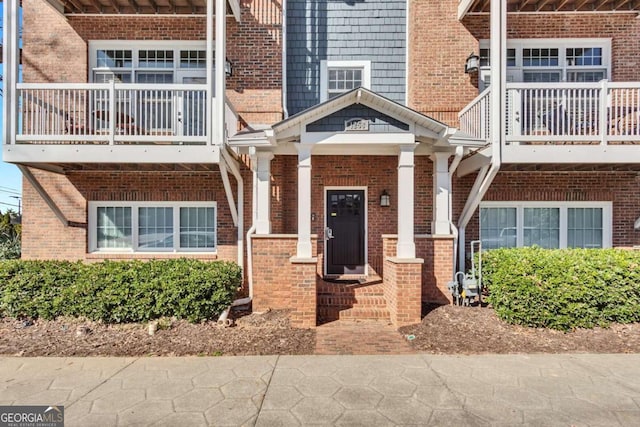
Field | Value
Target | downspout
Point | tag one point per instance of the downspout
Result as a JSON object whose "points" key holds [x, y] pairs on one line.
{"points": [[285, 111], [454, 230], [497, 129], [235, 171]]}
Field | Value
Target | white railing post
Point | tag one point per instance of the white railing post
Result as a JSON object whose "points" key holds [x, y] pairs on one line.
{"points": [[112, 112], [603, 121]]}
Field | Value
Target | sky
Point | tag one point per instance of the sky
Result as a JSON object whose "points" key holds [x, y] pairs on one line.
{"points": [[10, 177]]}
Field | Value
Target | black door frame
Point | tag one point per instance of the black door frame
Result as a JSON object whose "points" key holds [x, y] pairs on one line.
{"points": [[366, 223]]}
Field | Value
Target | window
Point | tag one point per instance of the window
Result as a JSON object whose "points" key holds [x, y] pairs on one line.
{"points": [[337, 77], [144, 61], [152, 226], [551, 60], [545, 224]]}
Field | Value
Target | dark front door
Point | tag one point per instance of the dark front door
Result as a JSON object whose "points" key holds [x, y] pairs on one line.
{"points": [[345, 232]]}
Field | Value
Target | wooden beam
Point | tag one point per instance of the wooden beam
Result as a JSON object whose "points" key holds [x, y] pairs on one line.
{"points": [[192, 6], [620, 4], [96, 5], [601, 4], [115, 7], [580, 4], [154, 5], [541, 4], [562, 4], [76, 6], [172, 5], [523, 4]]}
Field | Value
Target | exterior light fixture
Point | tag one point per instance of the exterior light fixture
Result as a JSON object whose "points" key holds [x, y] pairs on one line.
{"points": [[228, 68], [472, 63], [385, 199]]}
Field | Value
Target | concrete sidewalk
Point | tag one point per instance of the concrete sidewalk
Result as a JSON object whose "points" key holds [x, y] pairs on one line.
{"points": [[563, 390]]}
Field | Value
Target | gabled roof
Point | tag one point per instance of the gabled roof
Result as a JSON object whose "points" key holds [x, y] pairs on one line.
{"points": [[422, 126]]}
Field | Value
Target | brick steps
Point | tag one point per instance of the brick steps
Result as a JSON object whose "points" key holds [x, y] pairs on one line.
{"points": [[352, 301]]}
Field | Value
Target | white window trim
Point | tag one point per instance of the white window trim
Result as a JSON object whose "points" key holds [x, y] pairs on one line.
{"points": [[137, 45], [93, 226], [516, 73], [324, 74], [607, 218]]}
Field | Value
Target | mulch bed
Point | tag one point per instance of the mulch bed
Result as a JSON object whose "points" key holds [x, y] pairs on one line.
{"points": [[472, 330], [254, 334], [444, 330]]}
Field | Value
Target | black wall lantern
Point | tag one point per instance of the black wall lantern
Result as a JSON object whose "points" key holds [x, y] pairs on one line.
{"points": [[228, 68], [385, 199], [472, 63]]}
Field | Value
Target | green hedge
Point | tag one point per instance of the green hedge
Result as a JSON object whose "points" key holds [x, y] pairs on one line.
{"points": [[563, 289], [116, 292]]}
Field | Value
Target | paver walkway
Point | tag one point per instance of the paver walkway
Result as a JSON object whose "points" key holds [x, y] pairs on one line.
{"points": [[343, 337], [424, 390]]}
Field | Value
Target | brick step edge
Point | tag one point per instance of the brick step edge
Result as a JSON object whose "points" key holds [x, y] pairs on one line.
{"points": [[354, 313], [340, 301]]}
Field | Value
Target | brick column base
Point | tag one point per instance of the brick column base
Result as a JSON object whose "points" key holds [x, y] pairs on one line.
{"points": [[303, 293], [402, 284], [281, 281]]}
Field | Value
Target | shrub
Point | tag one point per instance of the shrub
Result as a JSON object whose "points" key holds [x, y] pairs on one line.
{"points": [[115, 292], [563, 288]]}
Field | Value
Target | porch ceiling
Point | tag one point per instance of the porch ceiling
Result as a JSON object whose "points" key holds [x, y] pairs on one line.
{"points": [[149, 7], [539, 6]]}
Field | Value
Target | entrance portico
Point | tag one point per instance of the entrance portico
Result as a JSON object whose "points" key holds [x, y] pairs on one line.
{"points": [[329, 168]]}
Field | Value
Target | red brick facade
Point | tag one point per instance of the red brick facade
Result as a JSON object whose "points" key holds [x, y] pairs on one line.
{"points": [[376, 173], [618, 187], [45, 237], [56, 49], [439, 45], [279, 282]]}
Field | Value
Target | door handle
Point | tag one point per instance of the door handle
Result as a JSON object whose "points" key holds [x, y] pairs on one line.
{"points": [[328, 233]]}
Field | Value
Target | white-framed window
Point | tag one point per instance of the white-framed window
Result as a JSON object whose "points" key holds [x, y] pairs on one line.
{"points": [[144, 61], [152, 226], [545, 224], [551, 60], [337, 77]]}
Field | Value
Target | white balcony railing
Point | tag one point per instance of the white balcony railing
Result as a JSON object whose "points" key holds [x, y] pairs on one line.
{"points": [[114, 114], [474, 118], [606, 113]]}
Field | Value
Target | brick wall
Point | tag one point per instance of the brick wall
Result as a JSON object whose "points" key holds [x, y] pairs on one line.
{"points": [[439, 45], [44, 236], [402, 283], [622, 28], [437, 269], [280, 284], [377, 173], [56, 49], [438, 48], [618, 187]]}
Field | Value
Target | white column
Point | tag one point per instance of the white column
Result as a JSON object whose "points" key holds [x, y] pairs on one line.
{"points": [[441, 194], [263, 199], [406, 245], [220, 76], [304, 201], [209, 118], [10, 61]]}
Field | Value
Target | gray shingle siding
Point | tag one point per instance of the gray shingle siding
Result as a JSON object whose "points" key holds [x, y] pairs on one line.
{"points": [[378, 122], [357, 30]]}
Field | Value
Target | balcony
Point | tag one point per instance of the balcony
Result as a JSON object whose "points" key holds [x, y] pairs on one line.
{"points": [[114, 123], [564, 122]]}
